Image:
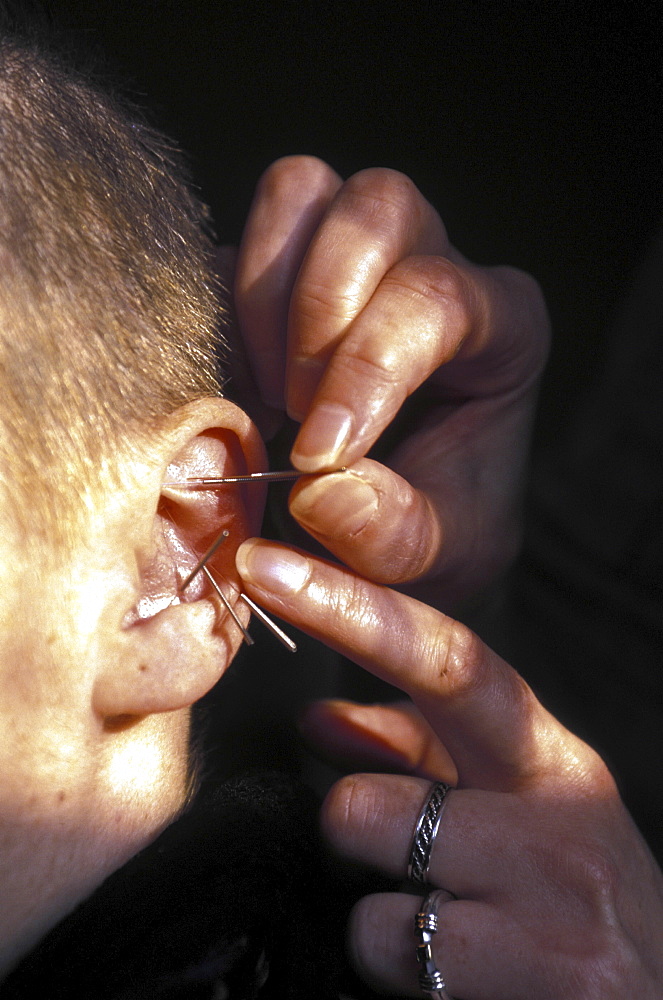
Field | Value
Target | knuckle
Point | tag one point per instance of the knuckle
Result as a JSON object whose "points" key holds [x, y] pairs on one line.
{"points": [[436, 277], [607, 973], [581, 765], [316, 300], [294, 174], [459, 660], [591, 873], [600, 873], [350, 810], [439, 285], [594, 776], [415, 547], [586, 871], [385, 193], [372, 363], [600, 961]]}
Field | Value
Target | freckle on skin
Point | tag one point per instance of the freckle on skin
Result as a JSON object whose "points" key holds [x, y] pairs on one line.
{"points": [[143, 668], [62, 796]]}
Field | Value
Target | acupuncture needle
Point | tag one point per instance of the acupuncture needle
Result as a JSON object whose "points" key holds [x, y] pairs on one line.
{"points": [[208, 555], [284, 639], [213, 483], [265, 619], [229, 608]]}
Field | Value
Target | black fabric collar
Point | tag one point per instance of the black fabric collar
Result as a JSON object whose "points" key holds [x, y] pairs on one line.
{"points": [[226, 903]]}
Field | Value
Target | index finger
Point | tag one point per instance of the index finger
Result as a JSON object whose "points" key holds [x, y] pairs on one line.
{"points": [[496, 731], [291, 199], [377, 219], [383, 301]]}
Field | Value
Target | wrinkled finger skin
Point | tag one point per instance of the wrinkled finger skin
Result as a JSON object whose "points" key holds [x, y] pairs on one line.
{"points": [[351, 300], [558, 895]]}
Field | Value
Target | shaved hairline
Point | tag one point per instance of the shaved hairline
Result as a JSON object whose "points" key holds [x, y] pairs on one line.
{"points": [[110, 314]]}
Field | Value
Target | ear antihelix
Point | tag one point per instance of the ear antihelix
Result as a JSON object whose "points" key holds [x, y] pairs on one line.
{"points": [[202, 566], [216, 484]]}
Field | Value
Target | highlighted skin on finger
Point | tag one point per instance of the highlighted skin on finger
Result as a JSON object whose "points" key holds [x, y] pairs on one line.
{"points": [[322, 441], [376, 737], [282, 571], [498, 734]]}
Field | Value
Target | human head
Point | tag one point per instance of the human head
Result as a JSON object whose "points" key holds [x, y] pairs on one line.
{"points": [[109, 347]]}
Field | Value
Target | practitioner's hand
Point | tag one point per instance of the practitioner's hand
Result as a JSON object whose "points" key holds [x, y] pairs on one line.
{"points": [[556, 894], [351, 299]]}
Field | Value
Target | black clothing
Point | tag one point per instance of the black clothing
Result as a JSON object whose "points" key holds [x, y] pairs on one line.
{"points": [[234, 901]]}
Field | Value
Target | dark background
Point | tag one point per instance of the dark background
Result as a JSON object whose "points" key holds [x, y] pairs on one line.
{"points": [[535, 128]]}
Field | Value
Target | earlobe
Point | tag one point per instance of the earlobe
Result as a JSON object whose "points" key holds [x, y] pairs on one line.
{"points": [[175, 645]]}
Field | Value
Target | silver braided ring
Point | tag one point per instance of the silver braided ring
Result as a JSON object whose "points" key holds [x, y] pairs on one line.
{"points": [[424, 833], [431, 979]]}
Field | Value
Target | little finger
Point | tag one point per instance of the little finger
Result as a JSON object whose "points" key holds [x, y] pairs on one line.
{"points": [[480, 953]]}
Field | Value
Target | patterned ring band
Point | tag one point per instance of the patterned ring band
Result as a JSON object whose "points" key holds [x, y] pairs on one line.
{"points": [[431, 979], [425, 831]]}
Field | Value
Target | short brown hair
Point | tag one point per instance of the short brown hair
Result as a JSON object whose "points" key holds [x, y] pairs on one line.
{"points": [[109, 314]]}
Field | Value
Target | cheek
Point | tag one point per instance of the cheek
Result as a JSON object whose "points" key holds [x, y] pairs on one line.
{"points": [[143, 776], [81, 812], [68, 821]]}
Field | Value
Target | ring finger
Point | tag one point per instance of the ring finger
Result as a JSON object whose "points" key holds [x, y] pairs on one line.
{"points": [[372, 818]]}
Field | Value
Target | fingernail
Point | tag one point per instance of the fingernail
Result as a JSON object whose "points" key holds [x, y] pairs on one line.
{"points": [[322, 438], [280, 571], [335, 506]]}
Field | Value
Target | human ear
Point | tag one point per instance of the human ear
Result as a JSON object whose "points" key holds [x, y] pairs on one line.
{"points": [[171, 646]]}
